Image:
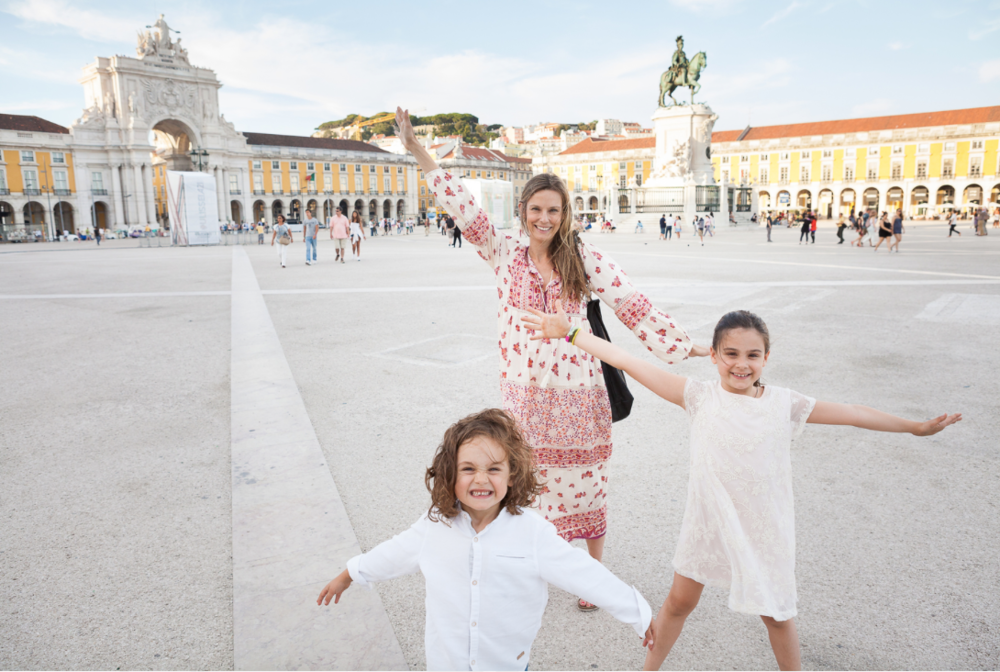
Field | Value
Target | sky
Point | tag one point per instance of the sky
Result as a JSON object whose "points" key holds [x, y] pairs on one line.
{"points": [[287, 67]]}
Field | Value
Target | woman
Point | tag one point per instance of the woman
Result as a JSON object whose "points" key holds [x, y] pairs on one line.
{"points": [[357, 234], [555, 391], [884, 231], [804, 231], [897, 230], [280, 231]]}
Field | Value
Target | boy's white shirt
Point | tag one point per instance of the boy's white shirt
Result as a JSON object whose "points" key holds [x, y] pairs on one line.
{"points": [[486, 591]]}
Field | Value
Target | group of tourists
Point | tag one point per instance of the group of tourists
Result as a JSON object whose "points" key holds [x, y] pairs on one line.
{"points": [[341, 229], [510, 487]]}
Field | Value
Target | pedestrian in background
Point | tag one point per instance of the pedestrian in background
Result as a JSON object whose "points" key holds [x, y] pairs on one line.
{"points": [[678, 225], [339, 227], [97, 236], [897, 230], [770, 223], [284, 236], [663, 227], [884, 231], [260, 232], [357, 234], [310, 229], [952, 224], [812, 226], [668, 227], [841, 225], [804, 231]]}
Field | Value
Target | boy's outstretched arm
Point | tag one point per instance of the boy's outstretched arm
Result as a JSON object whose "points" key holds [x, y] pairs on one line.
{"points": [[335, 589], [829, 413], [556, 325]]}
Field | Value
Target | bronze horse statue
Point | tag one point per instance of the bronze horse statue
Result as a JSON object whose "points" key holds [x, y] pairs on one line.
{"points": [[670, 80]]}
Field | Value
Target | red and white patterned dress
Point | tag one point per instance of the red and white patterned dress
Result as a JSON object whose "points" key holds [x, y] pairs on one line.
{"points": [[553, 389]]}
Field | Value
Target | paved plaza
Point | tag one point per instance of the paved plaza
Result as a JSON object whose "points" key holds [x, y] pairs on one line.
{"points": [[194, 440]]}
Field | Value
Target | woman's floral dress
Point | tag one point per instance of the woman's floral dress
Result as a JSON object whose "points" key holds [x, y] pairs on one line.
{"points": [[555, 390]]}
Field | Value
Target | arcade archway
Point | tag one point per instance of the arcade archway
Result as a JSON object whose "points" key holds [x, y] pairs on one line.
{"points": [[174, 140], [62, 215]]}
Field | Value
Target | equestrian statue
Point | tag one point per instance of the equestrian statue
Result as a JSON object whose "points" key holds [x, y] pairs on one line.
{"points": [[681, 73]]}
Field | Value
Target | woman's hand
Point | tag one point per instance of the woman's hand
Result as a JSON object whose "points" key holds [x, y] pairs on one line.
{"points": [[404, 129], [935, 425], [699, 351], [545, 325]]}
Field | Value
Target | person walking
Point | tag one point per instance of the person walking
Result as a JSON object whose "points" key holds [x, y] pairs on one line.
{"points": [[555, 393], [663, 227], [804, 231], [701, 230], [357, 234], [678, 225], [812, 226], [284, 236], [897, 230], [668, 228], [339, 227], [770, 223], [310, 229], [953, 224], [260, 232], [709, 225], [97, 235], [841, 225], [884, 231]]}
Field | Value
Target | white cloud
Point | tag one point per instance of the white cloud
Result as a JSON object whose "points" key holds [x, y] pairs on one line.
{"points": [[896, 46], [85, 22], [781, 14], [989, 71]]}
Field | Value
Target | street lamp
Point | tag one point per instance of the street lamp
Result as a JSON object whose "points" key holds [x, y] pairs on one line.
{"points": [[202, 156]]}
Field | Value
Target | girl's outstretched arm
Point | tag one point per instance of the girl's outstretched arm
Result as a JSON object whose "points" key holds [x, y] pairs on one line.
{"points": [[667, 385], [829, 413]]}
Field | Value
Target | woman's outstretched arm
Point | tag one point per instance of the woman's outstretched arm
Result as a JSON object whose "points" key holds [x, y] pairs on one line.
{"points": [[404, 129]]}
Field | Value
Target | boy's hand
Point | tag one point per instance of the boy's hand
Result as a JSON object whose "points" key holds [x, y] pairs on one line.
{"points": [[555, 325], [648, 641], [335, 589], [936, 425]]}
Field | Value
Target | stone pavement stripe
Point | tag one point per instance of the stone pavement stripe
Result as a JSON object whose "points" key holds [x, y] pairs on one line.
{"points": [[809, 264], [291, 533], [679, 282]]}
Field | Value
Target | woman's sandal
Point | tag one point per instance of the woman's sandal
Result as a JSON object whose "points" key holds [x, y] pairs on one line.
{"points": [[583, 605]]}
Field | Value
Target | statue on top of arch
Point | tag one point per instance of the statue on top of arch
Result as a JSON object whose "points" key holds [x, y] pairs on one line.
{"points": [[158, 43]]}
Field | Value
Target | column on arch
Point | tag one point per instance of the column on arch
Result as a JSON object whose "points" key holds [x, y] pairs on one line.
{"points": [[147, 181], [219, 195], [119, 195], [142, 214]]}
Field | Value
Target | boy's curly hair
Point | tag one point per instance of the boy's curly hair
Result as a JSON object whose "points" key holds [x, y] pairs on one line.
{"points": [[495, 424]]}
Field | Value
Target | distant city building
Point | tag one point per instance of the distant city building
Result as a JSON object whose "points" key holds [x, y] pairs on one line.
{"points": [[473, 163], [608, 127]]}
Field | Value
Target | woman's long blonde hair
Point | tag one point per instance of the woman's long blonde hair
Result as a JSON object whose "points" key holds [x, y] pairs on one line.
{"points": [[564, 250]]}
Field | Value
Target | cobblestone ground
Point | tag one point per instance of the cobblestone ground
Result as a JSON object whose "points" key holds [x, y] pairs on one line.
{"points": [[116, 512]]}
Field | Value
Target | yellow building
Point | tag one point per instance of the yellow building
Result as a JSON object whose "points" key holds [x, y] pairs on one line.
{"points": [[925, 164]]}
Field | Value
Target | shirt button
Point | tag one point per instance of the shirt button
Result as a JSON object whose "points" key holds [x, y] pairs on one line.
{"points": [[473, 624], [473, 662], [476, 539], [474, 582]]}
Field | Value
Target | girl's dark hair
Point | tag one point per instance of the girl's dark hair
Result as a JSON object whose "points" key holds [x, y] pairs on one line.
{"points": [[741, 319], [495, 424]]}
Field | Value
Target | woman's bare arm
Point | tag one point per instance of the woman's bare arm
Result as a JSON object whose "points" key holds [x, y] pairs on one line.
{"points": [[404, 129]]}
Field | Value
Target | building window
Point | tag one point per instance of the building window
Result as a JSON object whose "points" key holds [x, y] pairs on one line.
{"points": [[921, 169], [357, 167], [827, 174], [897, 171], [848, 173], [638, 179], [276, 183], [97, 181], [948, 168], [275, 165], [343, 167], [31, 180], [621, 180], [783, 174], [924, 149], [61, 180], [622, 166], [807, 155], [897, 149], [872, 171], [326, 167], [638, 165], [234, 184], [256, 165], [27, 156], [804, 174], [744, 158], [873, 151], [764, 157], [783, 156], [827, 153], [294, 178], [591, 182], [977, 144], [399, 170], [387, 183], [423, 191], [763, 176], [976, 166], [423, 205], [3, 180], [725, 176], [359, 185], [371, 168], [949, 146], [60, 157], [258, 183], [343, 183]]}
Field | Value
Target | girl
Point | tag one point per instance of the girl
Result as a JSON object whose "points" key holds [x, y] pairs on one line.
{"points": [[357, 234], [738, 531], [281, 231], [487, 560]]}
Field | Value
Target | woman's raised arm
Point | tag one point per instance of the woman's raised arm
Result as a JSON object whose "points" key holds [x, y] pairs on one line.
{"points": [[404, 130]]}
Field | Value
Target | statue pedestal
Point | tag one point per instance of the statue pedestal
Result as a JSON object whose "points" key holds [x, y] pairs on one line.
{"points": [[683, 145]]}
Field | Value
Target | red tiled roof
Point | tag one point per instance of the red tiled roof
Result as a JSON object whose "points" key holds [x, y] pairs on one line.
{"points": [[19, 122], [304, 141], [471, 152], [975, 115], [591, 145]]}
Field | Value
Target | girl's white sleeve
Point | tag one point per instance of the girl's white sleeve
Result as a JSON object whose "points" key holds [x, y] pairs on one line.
{"points": [[573, 570], [396, 557], [658, 331], [801, 407], [476, 228]]}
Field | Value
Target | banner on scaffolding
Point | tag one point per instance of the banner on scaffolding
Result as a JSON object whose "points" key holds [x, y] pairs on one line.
{"points": [[191, 205]]}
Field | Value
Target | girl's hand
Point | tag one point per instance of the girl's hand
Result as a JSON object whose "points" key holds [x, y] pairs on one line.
{"points": [[936, 425], [546, 325], [649, 640], [335, 589], [404, 129]]}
